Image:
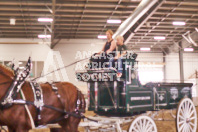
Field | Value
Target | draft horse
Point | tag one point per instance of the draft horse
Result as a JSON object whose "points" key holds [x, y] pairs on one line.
{"points": [[16, 117]]}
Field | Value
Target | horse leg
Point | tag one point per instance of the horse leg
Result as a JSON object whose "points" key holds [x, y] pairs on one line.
{"points": [[74, 122], [70, 124]]}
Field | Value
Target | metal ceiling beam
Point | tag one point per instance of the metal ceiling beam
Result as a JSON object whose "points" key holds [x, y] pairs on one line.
{"points": [[172, 18], [55, 43], [84, 23], [65, 9], [49, 9], [110, 16], [24, 22], [49, 29], [69, 13], [62, 19], [52, 24], [181, 7], [41, 30], [71, 2], [79, 23], [171, 26], [183, 2], [178, 13], [72, 15]]}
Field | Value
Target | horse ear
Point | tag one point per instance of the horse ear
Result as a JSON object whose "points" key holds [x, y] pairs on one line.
{"points": [[16, 71], [25, 73], [29, 60], [29, 64], [13, 65]]}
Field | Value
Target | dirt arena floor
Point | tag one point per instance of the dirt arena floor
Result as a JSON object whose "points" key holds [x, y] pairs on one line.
{"points": [[166, 125]]}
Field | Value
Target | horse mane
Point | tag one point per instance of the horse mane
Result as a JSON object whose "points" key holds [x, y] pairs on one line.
{"points": [[6, 70]]}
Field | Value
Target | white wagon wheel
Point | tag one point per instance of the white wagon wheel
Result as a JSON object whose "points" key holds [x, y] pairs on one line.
{"points": [[186, 116], [143, 124]]}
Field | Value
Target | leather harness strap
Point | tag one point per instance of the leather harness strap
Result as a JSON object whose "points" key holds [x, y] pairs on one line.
{"points": [[10, 98]]}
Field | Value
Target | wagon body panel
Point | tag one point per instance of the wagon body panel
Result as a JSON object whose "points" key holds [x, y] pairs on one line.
{"points": [[168, 95], [109, 95], [139, 99]]}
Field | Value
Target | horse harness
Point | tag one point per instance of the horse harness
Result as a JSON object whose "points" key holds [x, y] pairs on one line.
{"points": [[11, 94]]}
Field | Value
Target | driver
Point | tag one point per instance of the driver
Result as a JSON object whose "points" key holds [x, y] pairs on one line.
{"points": [[108, 51]]}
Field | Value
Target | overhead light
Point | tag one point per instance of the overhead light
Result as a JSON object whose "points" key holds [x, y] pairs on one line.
{"points": [[179, 23], [113, 21], [45, 19], [102, 36], [12, 21], [145, 49], [159, 38], [44, 36], [188, 49]]}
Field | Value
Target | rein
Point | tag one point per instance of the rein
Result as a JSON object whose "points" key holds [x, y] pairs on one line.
{"points": [[60, 68]]}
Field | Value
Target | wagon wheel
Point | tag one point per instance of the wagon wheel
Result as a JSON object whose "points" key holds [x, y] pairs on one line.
{"points": [[143, 124], [186, 116]]}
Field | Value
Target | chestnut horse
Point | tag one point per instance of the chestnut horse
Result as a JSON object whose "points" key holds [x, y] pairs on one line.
{"points": [[16, 117]]}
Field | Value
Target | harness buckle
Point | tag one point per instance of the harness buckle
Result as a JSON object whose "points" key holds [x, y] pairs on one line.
{"points": [[78, 101], [8, 100], [66, 116]]}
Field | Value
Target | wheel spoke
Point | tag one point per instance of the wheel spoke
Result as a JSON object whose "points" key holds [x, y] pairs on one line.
{"points": [[182, 112], [181, 122], [185, 128], [192, 124], [189, 109], [141, 126], [144, 125], [191, 106], [191, 130], [134, 129], [181, 127], [147, 125], [185, 109], [191, 113], [150, 127], [181, 117], [193, 118], [138, 126]]}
